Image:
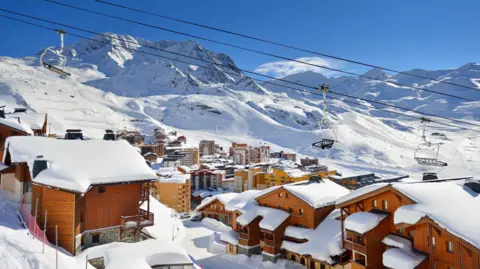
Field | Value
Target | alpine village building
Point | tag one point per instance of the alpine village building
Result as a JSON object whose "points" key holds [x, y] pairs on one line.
{"points": [[429, 224], [284, 222], [95, 191], [173, 189]]}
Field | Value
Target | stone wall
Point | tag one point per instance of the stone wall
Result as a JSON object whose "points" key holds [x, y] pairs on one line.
{"points": [[249, 251], [108, 236]]}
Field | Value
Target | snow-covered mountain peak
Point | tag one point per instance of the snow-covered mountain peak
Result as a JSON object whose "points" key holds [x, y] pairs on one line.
{"points": [[377, 73]]}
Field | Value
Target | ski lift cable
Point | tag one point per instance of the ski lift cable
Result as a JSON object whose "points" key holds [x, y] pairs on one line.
{"points": [[243, 70], [214, 63], [253, 50], [284, 45], [268, 82]]}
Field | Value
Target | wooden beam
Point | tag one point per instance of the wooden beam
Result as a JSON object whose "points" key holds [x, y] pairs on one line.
{"points": [[430, 244], [359, 206]]}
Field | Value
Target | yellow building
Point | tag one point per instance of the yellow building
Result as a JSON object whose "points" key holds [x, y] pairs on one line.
{"points": [[248, 179], [173, 189], [280, 177]]}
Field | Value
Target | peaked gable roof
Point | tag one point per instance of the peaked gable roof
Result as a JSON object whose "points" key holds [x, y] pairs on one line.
{"points": [[75, 165]]}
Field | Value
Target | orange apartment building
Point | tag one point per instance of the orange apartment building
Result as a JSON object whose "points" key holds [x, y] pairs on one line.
{"points": [[173, 189], [249, 179], [266, 220], [95, 191], [413, 225], [214, 208]]}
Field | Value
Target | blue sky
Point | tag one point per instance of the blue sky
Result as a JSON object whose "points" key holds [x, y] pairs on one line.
{"points": [[397, 34]]}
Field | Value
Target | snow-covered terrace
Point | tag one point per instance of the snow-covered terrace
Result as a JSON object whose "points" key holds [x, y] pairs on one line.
{"points": [[75, 165], [34, 120], [323, 242], [362, 222]]}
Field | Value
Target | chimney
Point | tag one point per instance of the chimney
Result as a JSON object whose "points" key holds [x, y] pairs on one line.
{"points": [[39, 165], [73, 134], [2, 112], [474, 186], [20, 110], [429, 176], [109, 135]]}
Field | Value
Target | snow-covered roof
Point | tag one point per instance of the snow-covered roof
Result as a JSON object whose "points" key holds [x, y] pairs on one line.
{"points": [[166, 171], [241, 200], [206, 193], [146, 254], [450, 204], [297, 232], [359, 192], [34, 120], [177, 178], [223, 198], [20, 126], [397, 241], [362, 222], [296, 173], [397, 258], [272, 217], [77, 164], [328, 232], [317, 194]]}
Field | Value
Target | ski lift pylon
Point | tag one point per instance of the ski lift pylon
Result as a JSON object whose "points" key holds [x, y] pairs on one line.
{"points": [[427, 152], [58, 53], [328, 139]]}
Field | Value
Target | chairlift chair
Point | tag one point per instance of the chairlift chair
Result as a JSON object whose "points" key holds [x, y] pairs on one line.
{"points": [[329, 136], [427, 152], [62, 59]]}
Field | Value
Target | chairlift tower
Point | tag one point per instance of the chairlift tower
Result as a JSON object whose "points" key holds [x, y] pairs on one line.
{"points": [[59, 53]]}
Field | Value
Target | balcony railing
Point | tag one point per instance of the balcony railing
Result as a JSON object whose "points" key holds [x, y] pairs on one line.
{"points": [[354, 246], [243, 235], [144, 192], [144, 219]]}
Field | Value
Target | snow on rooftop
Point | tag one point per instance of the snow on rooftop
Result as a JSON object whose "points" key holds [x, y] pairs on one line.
{"points": [[296, 173], [317, 194], [76, 164], [397, 258], [167, 171], [176, 178], [450, 204], [297, 232], [271, 217], [224, 198], [230, 237], [328, 233], [362, 222], [241, 200], [13, 123], [359, 192], [206, 193], [34, 120], [152, 252], [397, 241]]}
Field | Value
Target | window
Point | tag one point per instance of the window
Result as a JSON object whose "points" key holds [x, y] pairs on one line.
{"points": [[95, 238], [385, 204], [231, 248], [81, 216], [410, 234], [374, 203], [322, 266], [401, 231], [280, 194], [290, 209], [286, 195], [434, 266], [279, 207], [301, 211], [433, 241], [101, 189], [450, 247]]}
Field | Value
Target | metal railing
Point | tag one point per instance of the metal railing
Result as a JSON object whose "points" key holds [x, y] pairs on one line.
{"points": [[143, 219]]}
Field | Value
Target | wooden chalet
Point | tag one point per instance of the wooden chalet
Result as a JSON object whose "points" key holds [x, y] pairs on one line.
{"points": [[412, 225], [11, 127], [262, 225], [95, 191], [214, 208]]}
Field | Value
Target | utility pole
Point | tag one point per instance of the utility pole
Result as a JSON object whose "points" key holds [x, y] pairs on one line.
{"points": [[45, 230]]}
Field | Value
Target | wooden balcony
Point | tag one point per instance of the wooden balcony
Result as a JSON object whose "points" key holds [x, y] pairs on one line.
{"points": [[268, 242], [243, 235], [144, 219], [144, 192], [355, 246]]}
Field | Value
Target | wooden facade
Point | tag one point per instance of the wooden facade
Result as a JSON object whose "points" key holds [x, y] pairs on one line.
{"points": [[427, 237], [215, 209], [103, 206], [6, 132]]}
